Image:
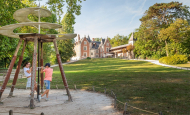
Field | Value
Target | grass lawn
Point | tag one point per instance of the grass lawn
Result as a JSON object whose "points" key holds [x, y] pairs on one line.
{"points": [[142, 84], [187, 65]]}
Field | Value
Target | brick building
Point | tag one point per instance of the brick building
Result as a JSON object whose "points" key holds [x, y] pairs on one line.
{"points": [[86, 47]]}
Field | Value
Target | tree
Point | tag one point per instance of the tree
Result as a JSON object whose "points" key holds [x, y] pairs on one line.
{"points": [[130, 48], [8, 45], [176, 33], [124, 50], [118, 40], [166, 13], [66, 46]]}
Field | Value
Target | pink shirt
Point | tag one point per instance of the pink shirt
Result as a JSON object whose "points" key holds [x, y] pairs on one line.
{"points": [[48, 74]]}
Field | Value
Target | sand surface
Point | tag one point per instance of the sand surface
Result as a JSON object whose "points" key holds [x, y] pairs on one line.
{"points": [[84, 103]]}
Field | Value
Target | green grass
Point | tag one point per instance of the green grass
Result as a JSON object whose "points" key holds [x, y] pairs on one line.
{"points": [[187, 65], [142, 84]]}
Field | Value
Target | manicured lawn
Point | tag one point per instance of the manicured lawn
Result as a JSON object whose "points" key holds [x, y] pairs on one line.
{"points": [[142, 84], [183, 65]]}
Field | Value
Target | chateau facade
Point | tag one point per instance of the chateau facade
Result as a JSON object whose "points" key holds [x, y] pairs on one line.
{"points": [[86, 47]]}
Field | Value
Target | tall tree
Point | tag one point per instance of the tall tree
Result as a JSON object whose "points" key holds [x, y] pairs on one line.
{"points": [[176, 33], [165, 14], [8, 45], [66, 46]]}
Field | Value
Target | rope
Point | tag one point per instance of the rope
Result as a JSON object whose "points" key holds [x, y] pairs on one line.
{"points": [[21, 113], [143, 110]]}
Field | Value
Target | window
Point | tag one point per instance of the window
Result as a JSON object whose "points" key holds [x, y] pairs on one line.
{"points": [[96, 51], [96, 55], [107, 44], [85, 48], [84, 54], [85, 42], [107, 49], [91, 53], [100, 49]]}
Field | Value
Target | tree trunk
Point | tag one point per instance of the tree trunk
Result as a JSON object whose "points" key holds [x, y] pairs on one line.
{"points": [[166, 48]]}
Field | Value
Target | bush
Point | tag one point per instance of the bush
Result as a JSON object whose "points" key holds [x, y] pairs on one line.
{"points": [[88, 58], [175, 59], [188, 57]]}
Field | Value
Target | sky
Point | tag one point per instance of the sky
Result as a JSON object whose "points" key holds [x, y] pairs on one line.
{"points": [[107, 18]]}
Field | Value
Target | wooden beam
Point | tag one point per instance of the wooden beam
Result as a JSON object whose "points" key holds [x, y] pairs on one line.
{"points": [[62, 70], [10, 68], [17, 70], [33, 73]]}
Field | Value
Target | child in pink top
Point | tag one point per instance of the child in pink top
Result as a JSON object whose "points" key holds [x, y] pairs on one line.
{"points": [[48, 78]]}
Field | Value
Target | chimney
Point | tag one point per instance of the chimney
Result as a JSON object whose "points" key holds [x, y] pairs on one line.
{"points": [[93, 39], [78, 37]]}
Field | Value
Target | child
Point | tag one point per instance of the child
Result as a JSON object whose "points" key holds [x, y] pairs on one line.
{"points": [[48, 78], [27, 72]]}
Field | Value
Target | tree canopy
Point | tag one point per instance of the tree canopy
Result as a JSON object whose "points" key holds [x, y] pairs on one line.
{"points": [[164, 31]]}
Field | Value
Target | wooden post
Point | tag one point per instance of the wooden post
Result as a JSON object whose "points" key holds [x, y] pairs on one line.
{"points": [[11, 112], [115, 101], [93, 88], [105, 90], [75, 87], [10, 68], [42, 74], [125, 109], [62, 70], [33, 73], [17, 70]]}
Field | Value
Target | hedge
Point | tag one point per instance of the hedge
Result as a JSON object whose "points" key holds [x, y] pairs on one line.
{"points": [[175, 59]]}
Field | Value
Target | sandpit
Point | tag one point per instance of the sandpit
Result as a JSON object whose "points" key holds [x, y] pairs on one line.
{"points": [[84, 103]]}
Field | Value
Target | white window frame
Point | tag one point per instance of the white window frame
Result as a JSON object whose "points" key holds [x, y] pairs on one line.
{"points": [[107, 44], [85, 42], [84, 48], [92, 53]]}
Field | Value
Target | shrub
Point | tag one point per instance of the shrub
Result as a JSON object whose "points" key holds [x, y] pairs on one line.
{"points": [[175, 59], [88, 58]]}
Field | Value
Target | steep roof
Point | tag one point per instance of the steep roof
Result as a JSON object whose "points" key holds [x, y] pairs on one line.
{"points": [[95, 46], [132, 38], [103, 40]]}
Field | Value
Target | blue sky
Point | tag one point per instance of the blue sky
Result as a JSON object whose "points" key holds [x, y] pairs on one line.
{"points": [[102, 18]]}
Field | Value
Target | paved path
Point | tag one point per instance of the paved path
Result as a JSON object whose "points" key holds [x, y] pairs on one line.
{"points": [[157, 62]]}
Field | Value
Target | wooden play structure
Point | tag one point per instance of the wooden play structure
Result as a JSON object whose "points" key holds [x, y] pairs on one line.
{"points": [[22, 17]]}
